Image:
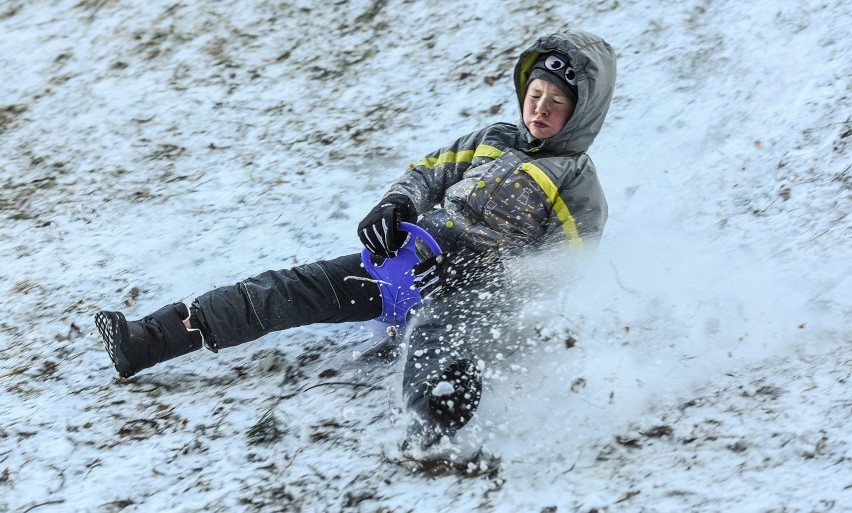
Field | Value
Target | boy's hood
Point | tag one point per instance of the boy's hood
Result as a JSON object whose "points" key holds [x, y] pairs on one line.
{"points": [[593, 60]]}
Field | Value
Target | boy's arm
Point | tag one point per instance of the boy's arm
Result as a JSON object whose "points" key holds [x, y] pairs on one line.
{"points": [[420, 188], [427, 181]]}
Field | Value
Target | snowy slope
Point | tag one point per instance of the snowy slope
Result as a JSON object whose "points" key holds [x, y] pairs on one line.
{"points": [[154, 150]]}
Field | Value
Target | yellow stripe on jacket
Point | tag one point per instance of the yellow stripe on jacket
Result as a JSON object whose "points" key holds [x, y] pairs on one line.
{"points": [[569, 227]]}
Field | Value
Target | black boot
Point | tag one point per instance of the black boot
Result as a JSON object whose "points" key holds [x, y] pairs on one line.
{"points": [[137, 345], [447, 403]]}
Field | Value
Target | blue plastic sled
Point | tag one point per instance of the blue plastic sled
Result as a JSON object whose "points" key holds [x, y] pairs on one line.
{"points": [[395, 276]]}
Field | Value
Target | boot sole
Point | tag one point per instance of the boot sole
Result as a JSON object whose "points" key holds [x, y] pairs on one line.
{"points": [[113, 329], [467, 393]]}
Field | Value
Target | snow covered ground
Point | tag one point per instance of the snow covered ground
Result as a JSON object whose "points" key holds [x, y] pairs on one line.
{"points": [[152, 150]]}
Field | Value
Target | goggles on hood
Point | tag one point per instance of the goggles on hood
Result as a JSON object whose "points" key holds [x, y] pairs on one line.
{"points": [[561, 66]]}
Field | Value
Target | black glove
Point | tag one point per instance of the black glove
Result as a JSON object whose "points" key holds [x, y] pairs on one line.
{"points": [[448, 272], [434, 274], [379, 231]]}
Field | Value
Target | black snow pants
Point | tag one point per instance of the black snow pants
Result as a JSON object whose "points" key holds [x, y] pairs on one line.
{"points": [[328, 291], [475, 323], [471, 323]]}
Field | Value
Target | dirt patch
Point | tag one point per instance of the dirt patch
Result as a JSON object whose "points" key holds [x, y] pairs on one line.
{"points": [[8, 115]]}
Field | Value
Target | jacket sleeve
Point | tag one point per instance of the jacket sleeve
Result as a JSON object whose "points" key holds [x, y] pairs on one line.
{"points": [[427, 181]]}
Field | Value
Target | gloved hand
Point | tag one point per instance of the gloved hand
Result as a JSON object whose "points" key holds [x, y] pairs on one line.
{"points": [[448, 272], [379, 231], [434, 274]]}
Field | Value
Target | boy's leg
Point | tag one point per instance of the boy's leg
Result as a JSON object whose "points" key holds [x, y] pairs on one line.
{"points": [[441, 384], [328, 291], [449, 341]]}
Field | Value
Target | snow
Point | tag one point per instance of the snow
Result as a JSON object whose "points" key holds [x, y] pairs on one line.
{"points": [[154, 150], [443, 388]]}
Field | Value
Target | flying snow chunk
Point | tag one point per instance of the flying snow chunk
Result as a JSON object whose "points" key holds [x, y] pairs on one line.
{"points": [[443, 388]]}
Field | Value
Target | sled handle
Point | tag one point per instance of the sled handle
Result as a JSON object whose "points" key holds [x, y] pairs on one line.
{"points": [[395, 276]]}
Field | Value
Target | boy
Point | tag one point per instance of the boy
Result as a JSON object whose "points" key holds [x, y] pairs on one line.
{"points": [[499, 192]]}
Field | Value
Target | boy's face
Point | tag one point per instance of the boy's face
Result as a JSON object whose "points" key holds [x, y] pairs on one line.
{"points": [[546, 109]]}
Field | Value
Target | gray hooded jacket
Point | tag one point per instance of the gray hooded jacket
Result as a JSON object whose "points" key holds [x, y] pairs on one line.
{"points": [[501, 190]]}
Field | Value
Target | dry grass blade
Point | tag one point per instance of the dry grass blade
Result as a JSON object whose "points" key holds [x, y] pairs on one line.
{"points": [[266, 431]]}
